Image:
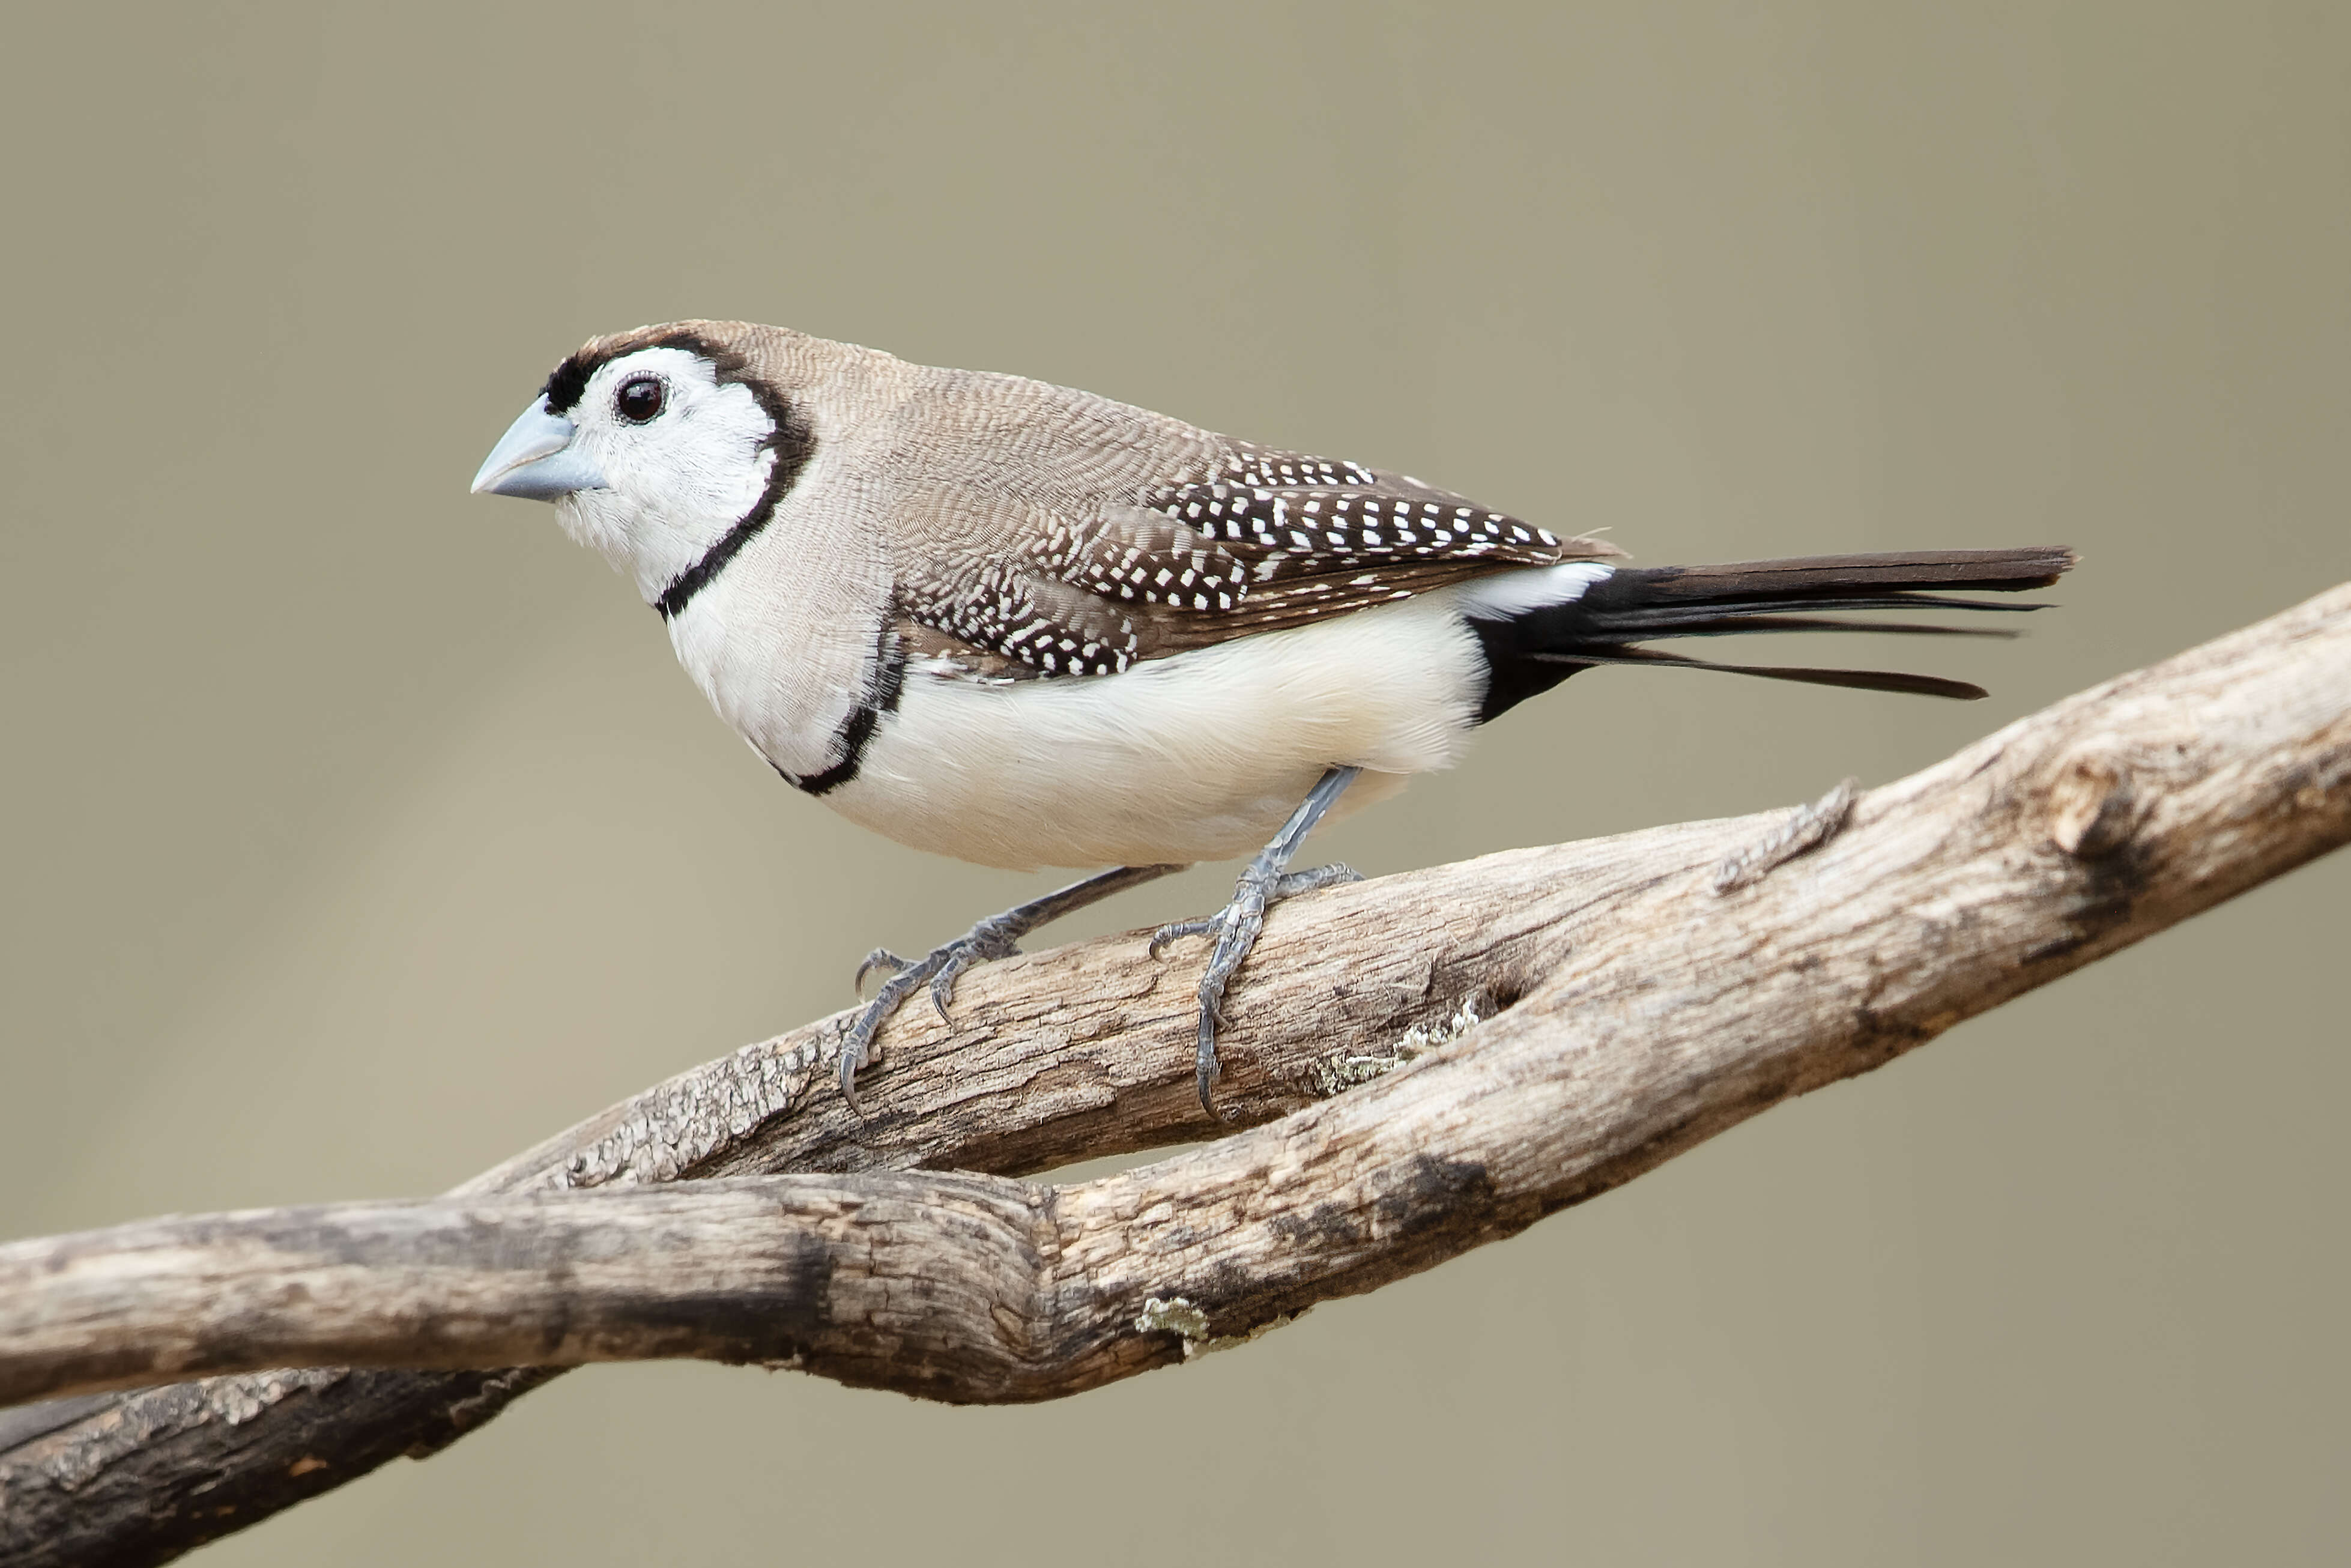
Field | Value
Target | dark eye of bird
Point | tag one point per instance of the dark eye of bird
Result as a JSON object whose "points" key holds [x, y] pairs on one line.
{"points": [[640, 399]]}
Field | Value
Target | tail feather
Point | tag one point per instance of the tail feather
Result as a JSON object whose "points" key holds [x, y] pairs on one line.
{"points": [[1712, 621], [1530, 652], [1858, 680], [1837, 576]]}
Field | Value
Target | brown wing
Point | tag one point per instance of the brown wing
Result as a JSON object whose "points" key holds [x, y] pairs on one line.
{"points": [[1317, 536], [1251, 542]]}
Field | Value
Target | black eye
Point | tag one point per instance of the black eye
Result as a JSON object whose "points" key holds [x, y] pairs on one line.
{"points": [[640, 398]]}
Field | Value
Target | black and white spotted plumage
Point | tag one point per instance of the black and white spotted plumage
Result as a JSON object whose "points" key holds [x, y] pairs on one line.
{"points": [[1251, 542]]}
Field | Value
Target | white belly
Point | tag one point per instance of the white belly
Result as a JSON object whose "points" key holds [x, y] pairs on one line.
{"points": [[1197, 758]]}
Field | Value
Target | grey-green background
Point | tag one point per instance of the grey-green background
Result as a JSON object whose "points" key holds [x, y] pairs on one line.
{"points": [[359, 833]]}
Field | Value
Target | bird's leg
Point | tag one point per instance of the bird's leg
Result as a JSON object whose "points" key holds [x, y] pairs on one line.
{"points": [[1267, 882], [996, 937]]}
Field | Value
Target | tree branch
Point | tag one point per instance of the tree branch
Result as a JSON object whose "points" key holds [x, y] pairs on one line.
{"points": [[1642, 994]]}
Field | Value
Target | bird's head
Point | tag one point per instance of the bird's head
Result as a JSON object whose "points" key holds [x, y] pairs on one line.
{"points": [[658, 445]]}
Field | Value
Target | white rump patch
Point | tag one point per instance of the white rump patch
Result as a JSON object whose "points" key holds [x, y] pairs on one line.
{"points": [[1509, 593]]}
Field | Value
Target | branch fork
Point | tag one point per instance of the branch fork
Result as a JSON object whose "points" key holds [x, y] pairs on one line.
{"points": [[1419, 1065]]}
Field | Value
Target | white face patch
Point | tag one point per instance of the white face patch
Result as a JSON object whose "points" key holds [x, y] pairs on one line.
{"points": [[678, 481]]}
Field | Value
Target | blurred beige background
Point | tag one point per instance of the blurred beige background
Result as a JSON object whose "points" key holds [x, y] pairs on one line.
{"points": [[360, 832]]}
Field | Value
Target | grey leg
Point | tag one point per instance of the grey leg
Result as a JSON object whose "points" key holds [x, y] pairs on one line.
{"points": [[1267, 882], [994, 937]]}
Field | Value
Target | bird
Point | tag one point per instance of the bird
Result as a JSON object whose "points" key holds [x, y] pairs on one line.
{"points": [[1023, 625]]}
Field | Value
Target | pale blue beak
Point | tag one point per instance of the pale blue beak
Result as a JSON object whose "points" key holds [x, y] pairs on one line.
{"points": [[534, 459]]}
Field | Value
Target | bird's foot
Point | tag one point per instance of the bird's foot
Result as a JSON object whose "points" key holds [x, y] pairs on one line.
{"points": [[1235, 929], [994, 937], [997, 936]]}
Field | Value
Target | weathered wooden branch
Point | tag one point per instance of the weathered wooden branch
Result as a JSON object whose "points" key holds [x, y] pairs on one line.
{"points": [[1640, 995]]}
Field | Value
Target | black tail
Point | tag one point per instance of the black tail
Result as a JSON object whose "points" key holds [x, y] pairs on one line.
{"points": [[1532, 651]]}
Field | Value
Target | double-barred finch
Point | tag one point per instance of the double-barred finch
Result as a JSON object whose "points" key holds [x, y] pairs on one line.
{"points": [[1023, 625]]}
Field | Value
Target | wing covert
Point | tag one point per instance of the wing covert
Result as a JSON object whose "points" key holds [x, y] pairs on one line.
{"points": [[1127, 559]]}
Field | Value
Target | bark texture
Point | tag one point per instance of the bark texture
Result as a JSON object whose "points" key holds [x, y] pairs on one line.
{"points": [[1637, 995]]}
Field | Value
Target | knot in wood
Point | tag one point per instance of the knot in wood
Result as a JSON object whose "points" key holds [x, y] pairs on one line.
{"points": [[2091, 806]]}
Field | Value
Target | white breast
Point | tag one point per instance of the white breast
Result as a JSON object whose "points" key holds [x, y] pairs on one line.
{"points": [[784, 642], [1196, 757]]}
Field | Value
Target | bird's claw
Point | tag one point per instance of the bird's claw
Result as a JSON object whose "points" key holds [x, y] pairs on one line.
{"points": [[1236, 928], [1313, 877], [1180, 929], [880, 958], [939, 970]]}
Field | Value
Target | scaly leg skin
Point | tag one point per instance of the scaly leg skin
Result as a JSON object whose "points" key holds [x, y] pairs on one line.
{"points": [[1267, 882], [996, 937]]}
